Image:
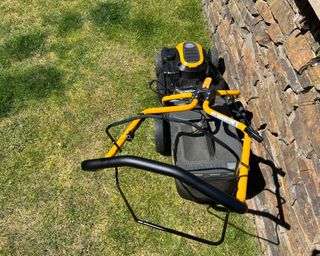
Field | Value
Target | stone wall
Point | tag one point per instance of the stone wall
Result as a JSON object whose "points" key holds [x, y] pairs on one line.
{"points": [[269, 48]]}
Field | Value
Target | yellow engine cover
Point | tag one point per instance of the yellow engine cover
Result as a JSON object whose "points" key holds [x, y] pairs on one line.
{"points": [[191, 54]]}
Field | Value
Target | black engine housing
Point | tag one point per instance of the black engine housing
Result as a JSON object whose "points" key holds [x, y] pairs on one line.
{"points": [[175, 76]]}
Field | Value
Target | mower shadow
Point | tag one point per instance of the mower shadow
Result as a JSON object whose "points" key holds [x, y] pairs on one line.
{"points": [[256, 185]]}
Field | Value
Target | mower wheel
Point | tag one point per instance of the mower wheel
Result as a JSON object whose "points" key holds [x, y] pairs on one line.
{"points": [[162, 137], [160, 89], [213, 55], [158, 63]]}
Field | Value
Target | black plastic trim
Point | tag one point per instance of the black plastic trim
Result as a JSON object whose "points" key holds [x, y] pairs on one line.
{"points": [[253, 134]]}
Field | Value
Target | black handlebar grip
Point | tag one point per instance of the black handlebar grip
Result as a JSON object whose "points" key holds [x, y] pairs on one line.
{"points": [[253, 134], [168, 170], [95, 164]]}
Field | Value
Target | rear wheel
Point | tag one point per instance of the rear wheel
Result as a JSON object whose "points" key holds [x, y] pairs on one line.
{"points": [[162, 137], [161, 90], [158, 63]]}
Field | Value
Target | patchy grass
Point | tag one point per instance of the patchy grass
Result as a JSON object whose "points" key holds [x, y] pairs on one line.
{"points": [[67, 69]]}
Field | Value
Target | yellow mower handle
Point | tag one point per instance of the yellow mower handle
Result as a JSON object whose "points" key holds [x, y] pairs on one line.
{"points": [[244, 167]]}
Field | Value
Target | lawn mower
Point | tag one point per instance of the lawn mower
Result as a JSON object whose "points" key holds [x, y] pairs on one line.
{"points": [[201, 125]]}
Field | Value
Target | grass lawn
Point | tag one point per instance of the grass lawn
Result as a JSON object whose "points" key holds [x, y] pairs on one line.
{"points": [[67, 69]]}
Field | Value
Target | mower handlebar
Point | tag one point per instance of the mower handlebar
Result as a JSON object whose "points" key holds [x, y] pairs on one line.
{"points": [[167, 170], [253, 134]]}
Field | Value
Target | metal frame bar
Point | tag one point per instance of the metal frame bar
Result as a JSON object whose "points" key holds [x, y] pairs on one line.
{"points": [[169, 230]]}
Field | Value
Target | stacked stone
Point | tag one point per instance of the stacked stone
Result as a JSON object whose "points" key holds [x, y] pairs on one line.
{"points": [[268, 55]]}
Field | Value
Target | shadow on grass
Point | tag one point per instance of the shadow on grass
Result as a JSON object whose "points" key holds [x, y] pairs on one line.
{"points": [[65, 23], [21, 47], [144, 27], [115, 20], [70, 21], [34, 83], [110, 13]]}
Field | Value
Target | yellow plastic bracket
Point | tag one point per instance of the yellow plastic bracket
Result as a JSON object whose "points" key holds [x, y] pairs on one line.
{"points": [[234, 93], [206, 83], [177, 97]]}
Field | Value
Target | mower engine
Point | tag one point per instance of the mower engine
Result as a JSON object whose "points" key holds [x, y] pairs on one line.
{"points": [[185, 67]]}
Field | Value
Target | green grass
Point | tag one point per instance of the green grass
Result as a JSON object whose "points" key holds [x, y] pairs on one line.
{"points": [[67, 69]]}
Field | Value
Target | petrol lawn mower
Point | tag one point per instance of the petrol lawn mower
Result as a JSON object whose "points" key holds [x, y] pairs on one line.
{"points": [[201, 125]]}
